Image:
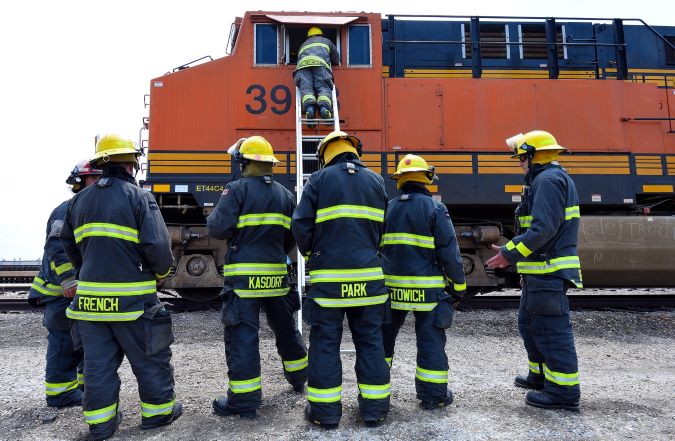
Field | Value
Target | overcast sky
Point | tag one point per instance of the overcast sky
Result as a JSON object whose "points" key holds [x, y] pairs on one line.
{"points": [[70, 70]]}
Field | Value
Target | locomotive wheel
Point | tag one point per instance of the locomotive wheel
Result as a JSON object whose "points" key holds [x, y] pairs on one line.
{"points": [[198, 294]]}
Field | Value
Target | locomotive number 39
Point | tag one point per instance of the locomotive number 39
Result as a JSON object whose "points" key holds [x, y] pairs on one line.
{"points": [[280, 96]]}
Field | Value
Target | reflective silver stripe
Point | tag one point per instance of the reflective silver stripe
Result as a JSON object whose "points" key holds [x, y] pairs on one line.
{"points": [[549, 266], [414, 281], [406, 306], [408, 239], [243, 386], [354, 211], [324, 395], [100, 415], [255, 293], [431, 376], [296, 365], [534, 367], [562, 379], [375, 392], [117, 289], [249, 220], [150, 410], [52, 389], [346, 275], [106, 230], [344, 302], [251, 269], [102, 316]]}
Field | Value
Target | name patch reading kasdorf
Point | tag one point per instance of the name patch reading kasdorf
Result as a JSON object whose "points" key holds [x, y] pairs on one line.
{"points": [[264, 282]]}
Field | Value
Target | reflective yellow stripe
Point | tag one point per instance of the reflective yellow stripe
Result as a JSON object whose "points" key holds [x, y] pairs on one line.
{"points": [[116, 289], [560, 378], [250, 220], [571, 212], [152, 410], [307, 46], [296, 365], [351, 302], [99, 416], [243, 386], [430, 376], [165, 275], [346, 275], [414, 281], [350, 211], [262, 292], [254, 269], [308, 97], [53, 389], [103, 316], [534, 367], [61, 268], [80, 379], [408, 239], [525, 221], [324, 98], [100, 229], [522, 249], [330, 395], [312, 61], [47, 289], [549, 266], [459, 286], [407, 306], [388, 360], [375, 391]]}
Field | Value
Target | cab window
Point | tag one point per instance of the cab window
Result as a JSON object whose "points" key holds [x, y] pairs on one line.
{"points": [[358, 41], [297, 35], [266, 45]]}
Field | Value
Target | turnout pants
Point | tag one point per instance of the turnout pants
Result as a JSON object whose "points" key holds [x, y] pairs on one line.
{"points": [[63, 373], [316, 87], [324, 380], [544, 324], [241, 317], [431, 373], [146, 344]]}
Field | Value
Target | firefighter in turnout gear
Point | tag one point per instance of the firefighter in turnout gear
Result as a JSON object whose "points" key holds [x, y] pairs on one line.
{"points": [[52, 287], [420, 256], [254, 215], [545, 254], [313, 74], [338, 225], [117, 241]]}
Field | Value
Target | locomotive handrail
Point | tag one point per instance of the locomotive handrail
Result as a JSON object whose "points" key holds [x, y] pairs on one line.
{"points": [[190, 63]]}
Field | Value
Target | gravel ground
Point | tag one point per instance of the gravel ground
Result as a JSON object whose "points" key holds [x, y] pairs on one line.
{"points": [[627, 364]]}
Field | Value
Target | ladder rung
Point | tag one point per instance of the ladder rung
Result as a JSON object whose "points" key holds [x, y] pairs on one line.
{"points": [[309, 157]]}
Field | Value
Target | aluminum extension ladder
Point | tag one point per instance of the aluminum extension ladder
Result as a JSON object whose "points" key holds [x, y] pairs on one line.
{"points": [[305, 143]]}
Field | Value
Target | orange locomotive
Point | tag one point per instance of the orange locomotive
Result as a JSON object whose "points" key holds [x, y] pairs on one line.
{"points": [[452, 89]]}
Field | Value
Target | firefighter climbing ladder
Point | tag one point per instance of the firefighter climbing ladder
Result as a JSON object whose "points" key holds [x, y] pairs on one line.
{"points": [[309, 143]]}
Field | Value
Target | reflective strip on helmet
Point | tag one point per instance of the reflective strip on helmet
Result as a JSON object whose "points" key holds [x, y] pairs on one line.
{"points": [[296, 365], [407, 306], [98, 229], [324, 98], [351, 302], [99, 416], [560, 378], [549, 266], [408, 239], [116, 289], [47, 289], [308, 97], [103, 316], [525, 221], [571, 212], [152, 410], [414, 281], [244, 386], [262, 292], [535, 368], [61, 268], [53, 389], [346, 275], [312, 61], [375, 391], [253, 269], [307, 46], [353, 211], [249, 220], [330, 395], [522, 249], [429, 376]]}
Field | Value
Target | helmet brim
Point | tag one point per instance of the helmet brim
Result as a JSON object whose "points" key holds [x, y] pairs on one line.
{"points": [[543, 149], [261, 158], [115, 152], [399, 173]]}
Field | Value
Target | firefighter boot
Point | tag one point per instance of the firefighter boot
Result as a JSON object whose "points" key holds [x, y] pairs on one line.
{"points": [[175, 414], [98, 432], [540, 399], [427, 405], [310, 417], [325, 112], [220, 407], [310, 113], [529, 382]]}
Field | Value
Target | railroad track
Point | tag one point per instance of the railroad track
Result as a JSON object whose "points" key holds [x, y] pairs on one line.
{"points": [[16, 274], [577, 302]]}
